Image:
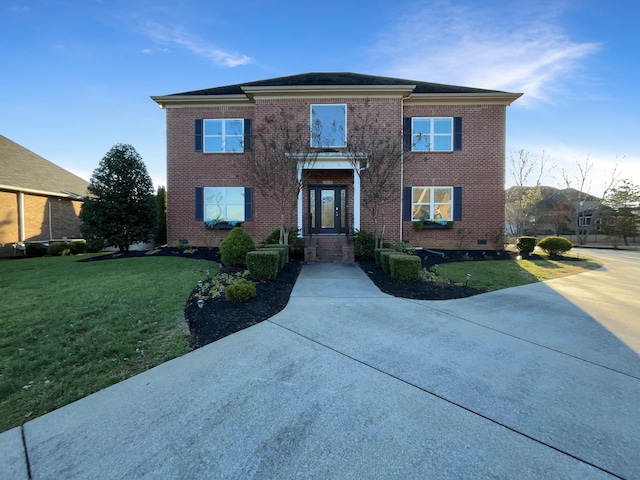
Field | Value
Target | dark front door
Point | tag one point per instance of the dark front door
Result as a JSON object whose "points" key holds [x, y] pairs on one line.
{"points": [[328, 209]]}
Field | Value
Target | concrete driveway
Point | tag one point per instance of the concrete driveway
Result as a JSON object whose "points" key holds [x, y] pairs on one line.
{"points": [[540, 381]]}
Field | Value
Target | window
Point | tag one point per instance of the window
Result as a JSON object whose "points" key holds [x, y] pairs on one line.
{"points": [[432, 134], [223, 204], [432, 203], [223, 135], [328, 126]]}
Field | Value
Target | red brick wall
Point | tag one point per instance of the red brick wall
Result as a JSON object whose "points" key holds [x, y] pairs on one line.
{"points": [[478, 168]]}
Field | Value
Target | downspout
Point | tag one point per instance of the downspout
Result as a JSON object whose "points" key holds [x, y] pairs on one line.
{"points": [[21, 228], [50, 230], [401, 162]]}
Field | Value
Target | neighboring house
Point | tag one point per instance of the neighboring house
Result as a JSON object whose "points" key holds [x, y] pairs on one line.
{"points": [[39, 201], [451, 176]]}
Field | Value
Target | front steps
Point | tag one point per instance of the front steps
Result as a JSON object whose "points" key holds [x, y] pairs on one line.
{"points": [[328, 248]]}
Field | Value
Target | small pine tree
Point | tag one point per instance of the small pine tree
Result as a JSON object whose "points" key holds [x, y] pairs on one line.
{"points": [[161, 200], [121, 208]]}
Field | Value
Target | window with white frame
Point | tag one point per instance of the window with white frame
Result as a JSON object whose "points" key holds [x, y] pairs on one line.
{"points": [[223, 135], [432, 134], [328, 125], [432, 203], [224, 204]]}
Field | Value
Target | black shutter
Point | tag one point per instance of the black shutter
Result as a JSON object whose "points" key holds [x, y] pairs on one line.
{"points": [[199, 203], [457, 133], [248, 203], [406, 134], [198, 136], [247, 134], [457, 203], [406, 204]]}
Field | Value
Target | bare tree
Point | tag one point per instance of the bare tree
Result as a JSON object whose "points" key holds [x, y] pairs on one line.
{"points": [[375, 151], [521, 210], [586, 211], [621, 218], [279, 161]]}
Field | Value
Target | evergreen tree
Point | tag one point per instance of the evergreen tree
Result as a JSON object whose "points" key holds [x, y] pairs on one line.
{"points": [[161, 200], [120, 209]]}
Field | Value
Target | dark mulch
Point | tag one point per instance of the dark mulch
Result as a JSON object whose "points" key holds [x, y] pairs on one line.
{"points": [[219, 318]]}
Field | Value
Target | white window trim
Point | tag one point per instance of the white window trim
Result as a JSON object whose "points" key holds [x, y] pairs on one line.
{"points": [[311, 107], [224, 135], [432, 201], [432, 134]]}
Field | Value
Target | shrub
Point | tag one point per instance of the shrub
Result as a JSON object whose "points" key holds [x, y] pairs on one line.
{"points": [[234, 248], [59, 249], [364, 243], [241, 291], [555, 245], [78, 247], [377, 252], [526, 245], [274, 237], [283, 250], [384, 259], [405, 268], [263, 263], [35, 249], [404, 247]]}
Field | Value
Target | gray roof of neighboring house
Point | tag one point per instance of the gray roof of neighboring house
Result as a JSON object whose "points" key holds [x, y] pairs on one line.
{"points": [[337, 79], [23, 170]]}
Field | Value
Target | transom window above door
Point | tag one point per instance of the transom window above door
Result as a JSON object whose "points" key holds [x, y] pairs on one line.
{"points": [[328, 125]]}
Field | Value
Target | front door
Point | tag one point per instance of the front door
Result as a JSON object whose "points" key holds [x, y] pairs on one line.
{"points": [[328, 209]]}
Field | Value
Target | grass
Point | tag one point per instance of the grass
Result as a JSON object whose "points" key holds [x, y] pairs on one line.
{"points": [[497, 274], [69, 328]]}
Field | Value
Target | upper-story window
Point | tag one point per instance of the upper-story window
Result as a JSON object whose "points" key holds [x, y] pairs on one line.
{"points": [[223, 135], [328, 125], [432, 134]]}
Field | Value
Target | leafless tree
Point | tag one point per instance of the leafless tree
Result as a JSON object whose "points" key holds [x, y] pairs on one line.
{"points": [[525, 169], [375, 151], [279, 162]]}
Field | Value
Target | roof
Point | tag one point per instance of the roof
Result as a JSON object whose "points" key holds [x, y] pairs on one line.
{"points": [[337, 79], [23, 170]]}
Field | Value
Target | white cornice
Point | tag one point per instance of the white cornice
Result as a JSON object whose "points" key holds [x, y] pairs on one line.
{"points": [[71, 195], [309, 91], [178, 101], [500, 98]]}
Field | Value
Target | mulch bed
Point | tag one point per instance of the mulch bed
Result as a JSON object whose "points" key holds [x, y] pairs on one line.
{"points": [[219, 318]]}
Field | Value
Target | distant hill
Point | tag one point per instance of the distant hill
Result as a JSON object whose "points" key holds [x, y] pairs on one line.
{"points": [[550, 195]]}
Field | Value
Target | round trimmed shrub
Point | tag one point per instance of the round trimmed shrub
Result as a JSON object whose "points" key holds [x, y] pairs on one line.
{"points": [[78, 247], [59, 249], [526, 245], [555, 245], [234, 248], [35, 250], [241, 291]]}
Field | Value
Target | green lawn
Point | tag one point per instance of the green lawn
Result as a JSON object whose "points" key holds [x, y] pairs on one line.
{"points": [[497, 274], [69, 328]]}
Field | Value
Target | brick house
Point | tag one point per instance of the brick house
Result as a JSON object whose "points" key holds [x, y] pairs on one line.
{"points": [[39, 201], [450, 178]]}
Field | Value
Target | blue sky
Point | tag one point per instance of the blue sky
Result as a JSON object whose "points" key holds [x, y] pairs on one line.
{"points": [[77, 74]]}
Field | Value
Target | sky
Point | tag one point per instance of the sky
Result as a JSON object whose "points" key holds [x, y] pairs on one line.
{"points": [[76, 76]]}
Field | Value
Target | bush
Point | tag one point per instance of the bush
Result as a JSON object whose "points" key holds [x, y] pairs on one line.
{"points": [[241, 291], [78, 247], [35, 249], [384, 259], [263, 263], [526, 245], [274, 237], [404, 247], [364, 243], [59, 249], [405, 268], [377, 252], [555, 245], [234, 248], [282, 249]]}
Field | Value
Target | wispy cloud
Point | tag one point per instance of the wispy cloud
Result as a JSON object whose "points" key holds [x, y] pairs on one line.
{"points": [[174, 35], [469, 43]]}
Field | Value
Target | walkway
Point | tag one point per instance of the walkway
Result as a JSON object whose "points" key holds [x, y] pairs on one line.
{"points": [[350, 383]]}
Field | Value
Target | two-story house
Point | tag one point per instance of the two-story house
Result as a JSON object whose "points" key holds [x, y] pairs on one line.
{"points": [[448, 158]]}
